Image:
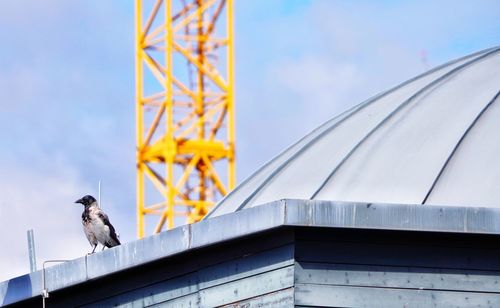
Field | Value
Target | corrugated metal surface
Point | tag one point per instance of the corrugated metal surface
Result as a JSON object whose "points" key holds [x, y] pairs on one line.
{"points": [[431, 140]]}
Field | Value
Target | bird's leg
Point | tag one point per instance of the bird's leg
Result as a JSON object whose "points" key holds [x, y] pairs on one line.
{"points": [[93, 250], [103, 246]]}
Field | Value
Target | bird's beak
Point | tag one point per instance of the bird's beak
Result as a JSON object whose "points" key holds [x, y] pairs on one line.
{"points": [[79, 201]]}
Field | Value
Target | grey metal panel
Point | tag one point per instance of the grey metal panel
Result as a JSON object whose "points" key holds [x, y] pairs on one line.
{"points": [[320, 213], [217, 275], [188, 301], [247, 288], [30, 285], [138, 252], [410, 217], [225, 227], [481, 220], [342, 296], [56, 277], [392, 216], [20, 288], [399, 255], [156, 293], [280, 299], [397, 277], [181, 287], [246, 266], [269, 289]]}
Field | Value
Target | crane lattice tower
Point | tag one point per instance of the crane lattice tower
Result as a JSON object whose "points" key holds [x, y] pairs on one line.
{"points": [[185, 109]]}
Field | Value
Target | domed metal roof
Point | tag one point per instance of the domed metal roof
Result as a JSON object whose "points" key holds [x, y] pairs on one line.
{"points": [[434, 139]]}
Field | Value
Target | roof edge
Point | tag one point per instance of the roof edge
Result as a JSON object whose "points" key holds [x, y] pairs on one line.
{"points": [[286, 212]]}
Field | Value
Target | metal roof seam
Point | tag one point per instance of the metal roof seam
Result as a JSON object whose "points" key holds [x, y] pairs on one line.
{"points": [[305, 147], [457, 145], [347, 114], [417, 94], [265, 180], [352, 109]]}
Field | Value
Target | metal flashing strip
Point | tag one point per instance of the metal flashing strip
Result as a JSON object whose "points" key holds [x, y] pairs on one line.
{"points": [[309, 213]]}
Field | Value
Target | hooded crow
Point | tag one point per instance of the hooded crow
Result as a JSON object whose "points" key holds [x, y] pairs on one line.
{"points": [[96, 224]]}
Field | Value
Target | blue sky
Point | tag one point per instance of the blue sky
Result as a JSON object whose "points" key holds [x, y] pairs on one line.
{"points": [[67, 94]]}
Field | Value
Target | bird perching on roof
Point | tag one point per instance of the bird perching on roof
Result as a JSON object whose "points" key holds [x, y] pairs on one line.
{"points": [[96, 224]]}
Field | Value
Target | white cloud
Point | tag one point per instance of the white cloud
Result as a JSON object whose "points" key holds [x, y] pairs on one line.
{"points": [[67, 121], [42, 200], [316, 84]]}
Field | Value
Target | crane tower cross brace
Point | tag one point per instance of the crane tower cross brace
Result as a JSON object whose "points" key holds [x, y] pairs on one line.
{"points": [[184, 109]]}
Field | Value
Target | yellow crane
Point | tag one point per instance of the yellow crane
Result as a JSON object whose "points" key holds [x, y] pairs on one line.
{"points": [[184, 109]]}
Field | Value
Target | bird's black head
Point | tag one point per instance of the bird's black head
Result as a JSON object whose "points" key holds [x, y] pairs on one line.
{"points": [[86, 201]]}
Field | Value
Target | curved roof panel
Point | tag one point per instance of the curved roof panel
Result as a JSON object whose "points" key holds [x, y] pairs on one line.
{"points": [[434, 139]]}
